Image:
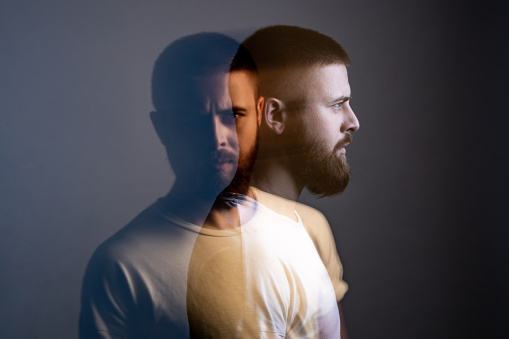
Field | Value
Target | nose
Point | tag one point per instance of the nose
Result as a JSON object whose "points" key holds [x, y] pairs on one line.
{"points": [[351, 123], [221, 132]]}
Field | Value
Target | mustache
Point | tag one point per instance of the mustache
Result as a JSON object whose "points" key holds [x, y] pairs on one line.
{"points": [[346, 140], [223, 155]]}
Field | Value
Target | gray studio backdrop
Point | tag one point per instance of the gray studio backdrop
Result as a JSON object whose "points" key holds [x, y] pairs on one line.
{"points": [[417, 229]]}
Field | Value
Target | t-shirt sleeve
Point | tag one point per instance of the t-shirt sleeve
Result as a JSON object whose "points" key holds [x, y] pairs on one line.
{"points": [[107, 300], [320, 233]]}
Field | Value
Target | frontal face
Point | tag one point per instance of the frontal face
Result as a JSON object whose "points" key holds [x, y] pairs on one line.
{"points": [[204, 149], [324, 122], [246, 108]]}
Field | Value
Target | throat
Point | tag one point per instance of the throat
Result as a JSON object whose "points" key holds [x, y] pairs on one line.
{"points": [[276, 178], [222, 218]]}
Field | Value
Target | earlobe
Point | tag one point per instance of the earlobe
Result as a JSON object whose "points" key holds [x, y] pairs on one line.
{"points": [[275, 115]]}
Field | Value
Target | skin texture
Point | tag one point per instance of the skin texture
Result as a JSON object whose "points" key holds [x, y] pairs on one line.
{"points": [[323, 124], [326, 119], [325, 110], [314, 112], [246, 108]]}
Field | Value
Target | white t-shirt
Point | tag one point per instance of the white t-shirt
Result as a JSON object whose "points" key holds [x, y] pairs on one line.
{"points": [[319, 231], [289, 291], [160, 276]]}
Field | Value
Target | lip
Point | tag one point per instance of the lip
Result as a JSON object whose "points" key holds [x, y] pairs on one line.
{"points": [[342, 150], [224, 164]]}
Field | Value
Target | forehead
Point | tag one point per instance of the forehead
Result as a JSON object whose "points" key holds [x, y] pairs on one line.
{"points": [[211, 91], [203, 94], [319, 83], [242, 86]]}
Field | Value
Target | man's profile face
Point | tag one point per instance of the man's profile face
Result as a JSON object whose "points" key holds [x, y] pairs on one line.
{"points": [[324, 123]]}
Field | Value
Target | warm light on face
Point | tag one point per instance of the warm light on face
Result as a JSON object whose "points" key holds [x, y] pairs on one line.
{"points": [[246, 109], [242, 88], [322, 126]]}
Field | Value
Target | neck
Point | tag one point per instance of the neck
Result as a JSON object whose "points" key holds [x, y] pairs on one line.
{"points": [[200, 209], [273, 175], [186, 204], [222, 218], [225, 216]]}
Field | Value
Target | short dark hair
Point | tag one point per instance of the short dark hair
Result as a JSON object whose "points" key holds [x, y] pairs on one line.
{"points": [[279, 50], [283, 46], [186, 59], [243, 61]]}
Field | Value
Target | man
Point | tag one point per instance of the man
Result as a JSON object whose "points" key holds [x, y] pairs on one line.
{"points": [[307, 123], [136, 284], [193, 265]]}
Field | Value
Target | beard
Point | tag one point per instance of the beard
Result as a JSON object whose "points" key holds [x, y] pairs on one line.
{"points": [[236, 191], [242, 177], [198, 175], [207, 182], [324, 173]]}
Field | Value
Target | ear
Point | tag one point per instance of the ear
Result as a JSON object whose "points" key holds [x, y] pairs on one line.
{"points": [[275, 115], [259, 110], [160, 123]]}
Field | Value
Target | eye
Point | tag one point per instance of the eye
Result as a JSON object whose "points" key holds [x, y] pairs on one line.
{"points": [[236, 113], [228, 115], [340, 103]]}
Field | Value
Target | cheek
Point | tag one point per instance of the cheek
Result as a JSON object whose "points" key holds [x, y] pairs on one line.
{"points": [[320, 131], [312, 126], [328, 127], [246, 134]]}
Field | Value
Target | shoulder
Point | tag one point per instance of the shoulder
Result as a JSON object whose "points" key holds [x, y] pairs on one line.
{"points": [[314, 222], [124, 247], [308, 213]]}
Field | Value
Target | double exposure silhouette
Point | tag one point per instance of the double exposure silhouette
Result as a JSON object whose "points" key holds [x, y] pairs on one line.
{"points": [[217, 257]]}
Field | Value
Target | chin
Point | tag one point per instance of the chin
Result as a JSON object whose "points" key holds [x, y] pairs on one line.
{"points": [[330, 177]]}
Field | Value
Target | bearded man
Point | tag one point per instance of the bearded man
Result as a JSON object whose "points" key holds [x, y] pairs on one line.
{"points": [[193, 265], [307, 122]]}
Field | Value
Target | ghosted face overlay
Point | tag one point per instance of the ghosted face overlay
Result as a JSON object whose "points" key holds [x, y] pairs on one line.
{"points": [[211, 134], [199, 133], [323, 124]]}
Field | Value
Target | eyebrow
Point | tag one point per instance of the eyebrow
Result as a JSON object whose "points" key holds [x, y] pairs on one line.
{"points": [[237, 108], [343, 98]]}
